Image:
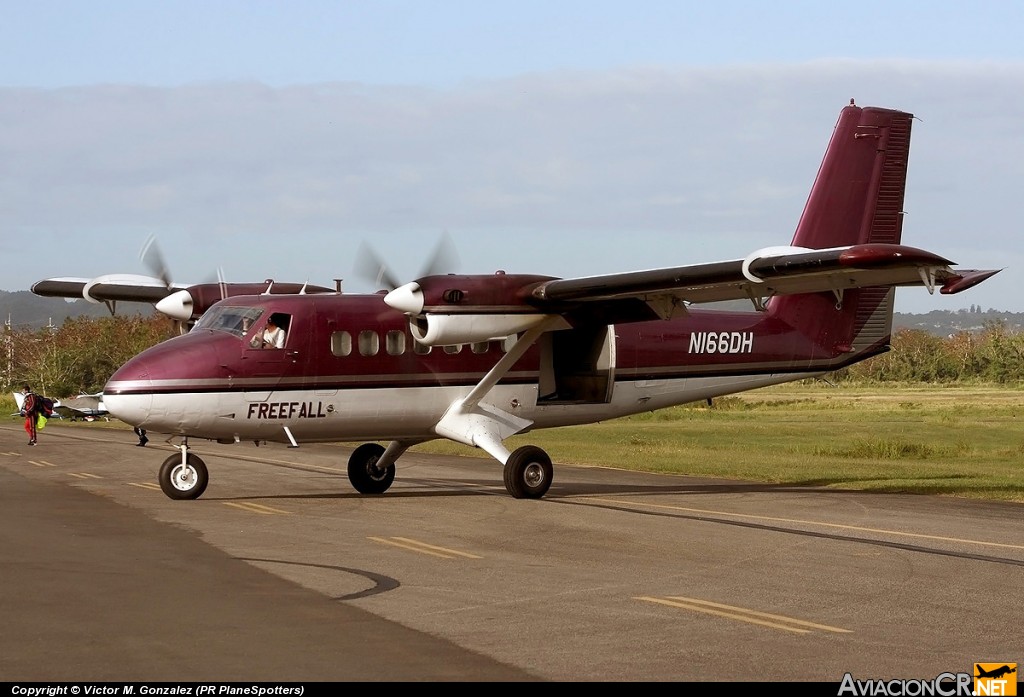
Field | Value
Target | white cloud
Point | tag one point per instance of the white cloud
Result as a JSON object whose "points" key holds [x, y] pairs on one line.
{"points": [[561, 173]]}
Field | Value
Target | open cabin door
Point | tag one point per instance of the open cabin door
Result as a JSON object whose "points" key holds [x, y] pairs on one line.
{"points": [[577, 366]]}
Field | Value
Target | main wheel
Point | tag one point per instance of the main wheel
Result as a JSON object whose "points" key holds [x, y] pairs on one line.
{"points": [[528, 473], [186, 481], [363, 472]]}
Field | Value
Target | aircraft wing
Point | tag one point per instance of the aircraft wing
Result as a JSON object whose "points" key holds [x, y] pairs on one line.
{"points": [[766, 273], [82, 406], [461, 309], [108, 288], [178, 301], [763, 274]]}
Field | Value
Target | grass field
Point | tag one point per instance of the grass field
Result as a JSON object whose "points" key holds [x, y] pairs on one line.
{"points": [[956, 441]]}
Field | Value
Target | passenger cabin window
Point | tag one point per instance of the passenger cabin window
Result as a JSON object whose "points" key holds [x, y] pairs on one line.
{"points": [[480, 346], [341, 343], [420, 349], [394, 342], [454, 348], [369, 343]]}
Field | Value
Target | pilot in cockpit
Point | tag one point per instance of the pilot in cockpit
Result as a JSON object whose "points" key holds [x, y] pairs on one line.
{"points": [[273, 335]]}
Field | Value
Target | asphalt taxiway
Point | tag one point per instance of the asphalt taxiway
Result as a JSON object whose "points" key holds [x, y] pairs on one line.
{"points": [[282, 572]]}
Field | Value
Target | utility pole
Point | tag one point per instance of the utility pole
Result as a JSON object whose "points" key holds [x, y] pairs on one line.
{"points": [[9, 350]]}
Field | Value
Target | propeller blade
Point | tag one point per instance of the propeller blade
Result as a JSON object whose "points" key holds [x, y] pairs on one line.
{"points": [[445, 258], [152, 258], [371, 267]]}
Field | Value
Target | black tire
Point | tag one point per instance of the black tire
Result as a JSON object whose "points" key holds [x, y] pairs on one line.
{"points": [[183, 482], [363, 472], [528, 473]]}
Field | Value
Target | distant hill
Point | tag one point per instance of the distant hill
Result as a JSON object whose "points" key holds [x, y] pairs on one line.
{"points": [[28, 311], [944, 322]]}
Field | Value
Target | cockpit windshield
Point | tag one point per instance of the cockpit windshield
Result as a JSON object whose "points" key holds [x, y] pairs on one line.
{"points": [[226, 318]]}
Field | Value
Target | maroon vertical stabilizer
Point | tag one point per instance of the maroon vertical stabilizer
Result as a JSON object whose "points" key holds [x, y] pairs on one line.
{"points": [[857, 198]]}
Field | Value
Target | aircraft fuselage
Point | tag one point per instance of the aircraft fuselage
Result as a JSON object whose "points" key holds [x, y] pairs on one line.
{"points": [[351, 371]]}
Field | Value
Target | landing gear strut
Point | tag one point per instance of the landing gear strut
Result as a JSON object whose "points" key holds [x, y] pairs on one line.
{"points": [[528, 473]]}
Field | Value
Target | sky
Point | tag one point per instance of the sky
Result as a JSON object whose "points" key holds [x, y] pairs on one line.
{"points": [[271, 140]]}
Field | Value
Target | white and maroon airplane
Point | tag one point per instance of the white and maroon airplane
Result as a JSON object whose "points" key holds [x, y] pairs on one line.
{"points": [[478, 358]]}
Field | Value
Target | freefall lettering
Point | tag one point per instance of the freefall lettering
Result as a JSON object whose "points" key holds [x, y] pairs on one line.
{"points": [[286, 410]]}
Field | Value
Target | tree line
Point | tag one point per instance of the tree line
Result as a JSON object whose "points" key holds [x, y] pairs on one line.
{"points": [[994, 354], [81, 355]]}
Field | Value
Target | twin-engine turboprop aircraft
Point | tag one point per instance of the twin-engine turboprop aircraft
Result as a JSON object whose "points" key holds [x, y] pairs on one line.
{"points": [[478, 358]]}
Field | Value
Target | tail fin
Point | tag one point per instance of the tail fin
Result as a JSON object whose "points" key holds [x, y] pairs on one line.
{"points": [[857, 198]]}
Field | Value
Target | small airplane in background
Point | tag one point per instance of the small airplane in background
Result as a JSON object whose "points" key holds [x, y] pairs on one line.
{"points": [[19, 401], [479, 358], [84, 407]]}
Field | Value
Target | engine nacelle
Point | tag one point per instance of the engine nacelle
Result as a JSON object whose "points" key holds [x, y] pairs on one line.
{"points": [[434, 329], [449, 310]]}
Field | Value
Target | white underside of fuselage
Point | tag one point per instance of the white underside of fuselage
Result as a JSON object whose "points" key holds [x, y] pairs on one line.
{"points": [[405, 414]]}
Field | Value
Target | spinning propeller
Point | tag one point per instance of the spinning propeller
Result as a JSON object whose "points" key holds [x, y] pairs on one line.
{"points": [[154, 259], [179, 304], [371, 267]]}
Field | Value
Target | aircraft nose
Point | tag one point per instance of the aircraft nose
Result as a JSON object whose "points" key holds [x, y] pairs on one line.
{"points": [[157, 388], [128, 395]]}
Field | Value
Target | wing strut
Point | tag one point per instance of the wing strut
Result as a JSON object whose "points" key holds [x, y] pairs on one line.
{"points": [[928, 278], [483, 425]]}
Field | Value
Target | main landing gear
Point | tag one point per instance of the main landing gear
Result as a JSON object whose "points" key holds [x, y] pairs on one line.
{"points": [[366, 475], [528, 471]]}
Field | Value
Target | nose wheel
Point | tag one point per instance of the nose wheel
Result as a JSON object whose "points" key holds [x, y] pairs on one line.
{"points": [[182, 481]]}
